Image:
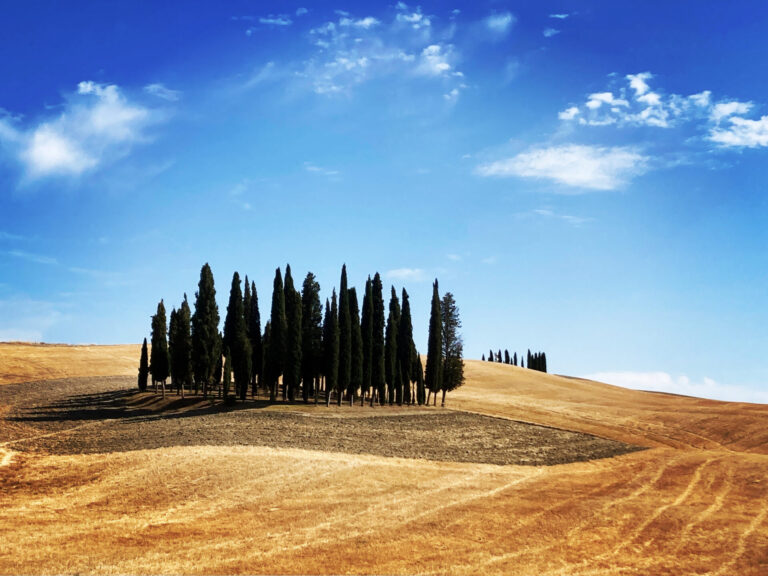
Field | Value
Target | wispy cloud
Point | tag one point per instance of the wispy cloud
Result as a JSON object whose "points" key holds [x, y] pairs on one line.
{"points": [[500, 23], [550, 214], [549, 32], [36, 258], [407, 274], [315, 169], [97, 124], [664, 382], [161, 91], [276, 20], [559, 16], [577, 166]]}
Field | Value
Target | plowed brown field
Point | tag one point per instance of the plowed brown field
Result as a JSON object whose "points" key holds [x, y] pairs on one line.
{"points": [[694, 503]]}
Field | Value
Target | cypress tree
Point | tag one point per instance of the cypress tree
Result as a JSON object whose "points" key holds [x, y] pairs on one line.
{"points": [[172, 353], [514, 359], [205, 330], [292, 371], [331, 344], [311, 336], [506, 357], [391, 367], [528, 359], [366, 327], [377, 348], [453, 346], [275, 360], [434, 372], [356, 364], [483, 358], [421, 393], [345, 336], [265, 351], [247, 306], [227, 372], [143, 367], [236, 339], [498, 356], [218, 368], [254, 335], [405, 350], [184, 369], [490, 356], [544, 362], [160, 361]]}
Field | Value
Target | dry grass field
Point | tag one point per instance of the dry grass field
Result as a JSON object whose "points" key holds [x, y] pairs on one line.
{"points": [[695, 502]]}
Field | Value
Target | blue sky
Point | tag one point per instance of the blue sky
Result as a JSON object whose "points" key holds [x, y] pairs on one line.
{"points": [[587, 178]]}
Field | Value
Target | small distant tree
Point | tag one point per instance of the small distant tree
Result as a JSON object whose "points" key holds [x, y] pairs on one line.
{"points": [[490, 356], [483, 357], [506, 357], [434, 372], [391, 367], [159, 362], [514, 359], [143, 367], [331, 344], [377, 359]]}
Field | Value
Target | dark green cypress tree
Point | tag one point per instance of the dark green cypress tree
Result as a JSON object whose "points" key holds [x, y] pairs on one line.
{"points": [[421, 393], [506, 357], [293, 351], [345, 337], [218, 368], [184, 369], [529, 359], [254, 335], [453, 346], [366, 328], [159, 361], [483, 358], [143, 367], [236, 339], [514, 359], [498, 356], [205, 330], [332, 349], [275, 361], [247, 306], [356, 364], [311, 336], [405, 350], [377, 359], [172, 353], [434, 372], [265, 351], [490, 356], [391, 367], [544, 362]]}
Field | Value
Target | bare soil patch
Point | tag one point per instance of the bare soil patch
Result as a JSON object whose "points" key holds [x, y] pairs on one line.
{"points": [[98, 415]]}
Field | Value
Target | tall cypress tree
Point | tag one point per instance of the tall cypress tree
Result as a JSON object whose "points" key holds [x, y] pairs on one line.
{"points": [[218, 368], [205, 330], [366, 327], [490, 356], [160, 361], [172, 353], [421, 393], [184, 344], [254, 335], [293, 351], [377, 359], [143, 367], [453, 346], [311, 336], [514, 359], [356, 364], [405, 350], [506, 357], [275, 361], [331, 344], [391, 365], [434, 372], [236, 339], [345, 336], [247, 306]]}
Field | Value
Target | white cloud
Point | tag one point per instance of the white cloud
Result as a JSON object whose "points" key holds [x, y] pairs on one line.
{"points": [[569, 113], [742, 132], [500, 23], [49, 152], [664, 382], [638, 82], [723, 110], [278, 20], [588, 167], [452, 96], [454, 257], [549, 32], [596, 100], [415, 19], [412, 274], [434, 60], [36, 258], [161, 91], [314, 169], [559, 16], [548, 213], [365, 23], [301, 11]]}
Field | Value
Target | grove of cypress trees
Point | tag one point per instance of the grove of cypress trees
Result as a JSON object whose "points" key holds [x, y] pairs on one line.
{"points": [[377, 357], [391, 368], [331, 343], [345, 337], [205, 330], [366, 328], [311, 336], [143, 367], [293, 351], [356, 364], [236, 339], [254, 336], [434, 372], [405, 350], [275, 360], [453, 346], [159, 361]]}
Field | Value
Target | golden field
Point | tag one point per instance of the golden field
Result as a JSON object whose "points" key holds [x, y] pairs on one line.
{"points": [[695, 502]]}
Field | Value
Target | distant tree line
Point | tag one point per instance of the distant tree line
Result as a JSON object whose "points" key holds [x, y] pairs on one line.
{"points": [[535, 361], [343, 351]]}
